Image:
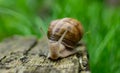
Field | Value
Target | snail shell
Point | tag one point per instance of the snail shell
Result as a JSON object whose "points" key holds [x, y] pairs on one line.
{"points": [[58, 27], [70, 39]]}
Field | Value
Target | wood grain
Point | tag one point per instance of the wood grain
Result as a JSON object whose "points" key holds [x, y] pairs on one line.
{"points": [[28, 55]]}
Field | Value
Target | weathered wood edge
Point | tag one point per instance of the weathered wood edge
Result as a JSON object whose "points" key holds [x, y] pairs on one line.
{"points": [[28, 57]]}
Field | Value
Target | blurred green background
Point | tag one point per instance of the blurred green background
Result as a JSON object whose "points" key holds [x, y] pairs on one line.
{"points": [[100, 19]]}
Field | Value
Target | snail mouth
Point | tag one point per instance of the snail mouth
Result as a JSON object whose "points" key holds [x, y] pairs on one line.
{"points": [[54, 57]]}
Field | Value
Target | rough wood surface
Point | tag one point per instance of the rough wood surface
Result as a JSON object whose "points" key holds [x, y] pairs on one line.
{"points": [[27, 55]]}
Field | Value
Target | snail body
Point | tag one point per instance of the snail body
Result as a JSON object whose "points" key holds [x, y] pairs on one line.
{"points": [[64, 34]]}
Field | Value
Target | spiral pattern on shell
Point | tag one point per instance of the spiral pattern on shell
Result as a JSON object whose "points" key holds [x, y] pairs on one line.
{"points": [[73, 35]]}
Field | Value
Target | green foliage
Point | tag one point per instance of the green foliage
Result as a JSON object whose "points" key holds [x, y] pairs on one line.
{"points": [[101, 24]]}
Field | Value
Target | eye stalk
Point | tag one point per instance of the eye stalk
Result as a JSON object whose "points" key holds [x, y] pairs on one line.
{"points": [[60, 40]]}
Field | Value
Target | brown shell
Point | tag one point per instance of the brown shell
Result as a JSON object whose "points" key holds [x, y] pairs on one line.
{"points": [[58, 27]]}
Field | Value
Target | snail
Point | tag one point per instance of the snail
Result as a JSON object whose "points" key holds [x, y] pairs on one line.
{"points": [[63, 37]]}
